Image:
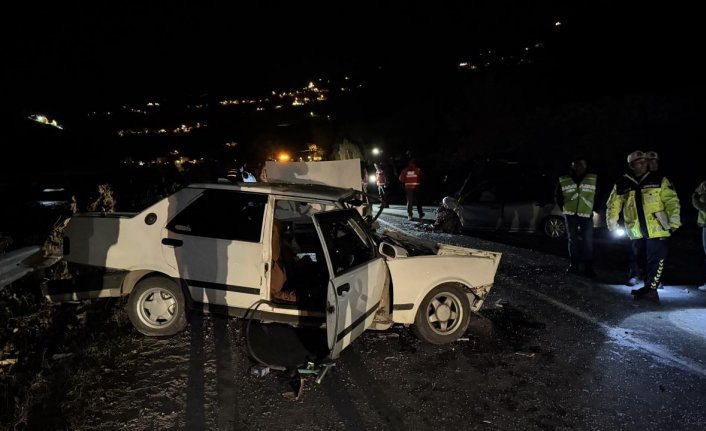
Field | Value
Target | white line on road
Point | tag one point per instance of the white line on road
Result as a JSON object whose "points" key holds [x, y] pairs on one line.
{"points": [[618, 334]]}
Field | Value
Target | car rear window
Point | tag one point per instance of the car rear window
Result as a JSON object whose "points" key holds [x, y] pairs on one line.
{"points": [[223, 214]]}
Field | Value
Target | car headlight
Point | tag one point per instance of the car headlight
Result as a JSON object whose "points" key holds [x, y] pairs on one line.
{"points": [[619, 232]]}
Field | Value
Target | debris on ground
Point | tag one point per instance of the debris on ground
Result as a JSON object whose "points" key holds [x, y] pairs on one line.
{"points": [[526, 354], [260, 370]]}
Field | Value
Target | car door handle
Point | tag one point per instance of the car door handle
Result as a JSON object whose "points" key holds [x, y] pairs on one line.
{"points": [[343, 288], [173, 242]]}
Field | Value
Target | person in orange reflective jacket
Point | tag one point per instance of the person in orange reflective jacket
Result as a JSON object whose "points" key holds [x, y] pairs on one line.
{"points": [[412, 178]]}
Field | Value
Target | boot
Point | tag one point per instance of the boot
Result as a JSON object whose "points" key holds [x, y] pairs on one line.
{"points": [[649, 295], [640, 291]]}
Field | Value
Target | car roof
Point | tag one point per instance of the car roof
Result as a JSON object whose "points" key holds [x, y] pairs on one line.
{"points": [[310, 191]]}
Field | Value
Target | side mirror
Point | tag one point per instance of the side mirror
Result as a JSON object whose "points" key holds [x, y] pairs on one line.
{"points": [[392, 251]]}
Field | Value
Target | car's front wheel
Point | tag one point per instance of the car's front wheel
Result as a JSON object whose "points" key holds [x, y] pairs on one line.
{"points": [[156, 307], [554, 227], [443, 315]]}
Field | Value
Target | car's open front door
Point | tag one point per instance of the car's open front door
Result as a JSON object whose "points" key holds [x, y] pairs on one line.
{"points": [[357, 273]]}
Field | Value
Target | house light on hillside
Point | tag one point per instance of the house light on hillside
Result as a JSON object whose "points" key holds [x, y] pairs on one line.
{"points": [[43, 119]]}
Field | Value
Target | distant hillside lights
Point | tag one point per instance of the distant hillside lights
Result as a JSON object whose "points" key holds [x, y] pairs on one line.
{"points": [[179, 162], [178, 130], [315, 91], [311, 93], [488, 58], [43, 119]]}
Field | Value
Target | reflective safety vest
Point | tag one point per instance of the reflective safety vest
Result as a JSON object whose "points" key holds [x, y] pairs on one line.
{"points": [[411, 177], [578, 198], [655, 194]]}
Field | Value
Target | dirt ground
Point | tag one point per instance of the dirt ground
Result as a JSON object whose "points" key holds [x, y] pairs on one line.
{"points": [[201, 379], [82, 366]]}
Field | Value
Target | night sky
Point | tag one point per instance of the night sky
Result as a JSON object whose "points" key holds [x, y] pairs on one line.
{"points": [[67, 52], [67, 58], [612, 78]]}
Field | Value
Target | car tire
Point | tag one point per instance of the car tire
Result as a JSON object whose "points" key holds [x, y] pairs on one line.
{"points": [[443, 315], [554, 227], [156, 307]]}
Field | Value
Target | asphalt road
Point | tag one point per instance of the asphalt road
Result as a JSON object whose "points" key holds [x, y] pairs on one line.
{"points": [[548, 351]]}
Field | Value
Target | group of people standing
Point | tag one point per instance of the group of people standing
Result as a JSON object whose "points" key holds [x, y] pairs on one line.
{"points": [[646, 202], [412, 177]]}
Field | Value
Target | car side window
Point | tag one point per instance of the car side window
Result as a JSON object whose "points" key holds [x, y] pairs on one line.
{"points": [[223, 214], [347, 244]]}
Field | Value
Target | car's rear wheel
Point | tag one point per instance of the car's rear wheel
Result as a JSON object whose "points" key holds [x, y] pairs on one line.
{"points": [[554, 227], [443, 315], [156, 307]]}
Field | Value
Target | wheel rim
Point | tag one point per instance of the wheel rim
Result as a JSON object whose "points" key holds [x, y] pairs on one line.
{"points": [[555, 227], [444, 313], [156, 307]]}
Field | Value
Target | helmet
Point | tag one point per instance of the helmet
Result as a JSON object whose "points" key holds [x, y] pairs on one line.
{"points": [[651, 155], [449, 203], [635, 155]]}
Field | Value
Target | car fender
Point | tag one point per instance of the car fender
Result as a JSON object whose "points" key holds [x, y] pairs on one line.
{"points": [[136, 274], [414, 277]]}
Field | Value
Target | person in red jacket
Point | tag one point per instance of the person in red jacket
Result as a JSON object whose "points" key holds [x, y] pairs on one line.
{"points": [[411, 176]]}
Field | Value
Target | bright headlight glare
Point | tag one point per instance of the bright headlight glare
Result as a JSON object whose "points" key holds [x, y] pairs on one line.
{"points": [[620, 232]]}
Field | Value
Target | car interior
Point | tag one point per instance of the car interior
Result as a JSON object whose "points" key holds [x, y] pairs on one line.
{"points": [[302, 254]]}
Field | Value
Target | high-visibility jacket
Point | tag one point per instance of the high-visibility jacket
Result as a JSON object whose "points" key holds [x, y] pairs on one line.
{"points": [[578, 198], [640, 199], [411, 177], [698, 199]]}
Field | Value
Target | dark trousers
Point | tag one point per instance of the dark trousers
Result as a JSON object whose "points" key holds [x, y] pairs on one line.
{"points": [[703, 233], [656, 254], [638, 261], [412, 200], [579, 231]]}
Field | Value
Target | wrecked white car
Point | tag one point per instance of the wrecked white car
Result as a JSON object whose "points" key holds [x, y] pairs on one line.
{"points": [[211, 246]]}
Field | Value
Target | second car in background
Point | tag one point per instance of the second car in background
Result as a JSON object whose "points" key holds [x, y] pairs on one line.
{"points": [[515, 206]]}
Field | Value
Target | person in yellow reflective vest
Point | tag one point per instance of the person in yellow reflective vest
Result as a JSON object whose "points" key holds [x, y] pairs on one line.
{"points": [[651, 212], [698, 199], [575, 196]]}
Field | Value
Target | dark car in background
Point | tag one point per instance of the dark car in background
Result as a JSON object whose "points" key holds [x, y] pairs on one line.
{"points": [[516, 203], [512, 205]]}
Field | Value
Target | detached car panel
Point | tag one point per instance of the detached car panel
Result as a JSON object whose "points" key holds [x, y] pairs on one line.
{"points": [[211, 246]]}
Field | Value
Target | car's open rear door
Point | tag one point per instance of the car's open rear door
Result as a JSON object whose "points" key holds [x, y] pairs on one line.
{"points": [[358, 276]]}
